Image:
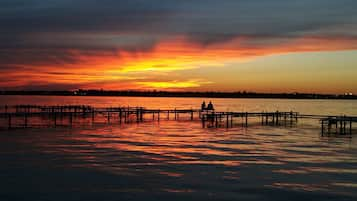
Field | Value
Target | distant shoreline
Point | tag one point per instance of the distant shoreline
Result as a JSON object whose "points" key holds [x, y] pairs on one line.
{"points": [[181, 94]]}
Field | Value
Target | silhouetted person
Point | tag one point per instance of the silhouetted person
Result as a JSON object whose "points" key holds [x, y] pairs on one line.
{"points": [[210, 106], [203, 105]]}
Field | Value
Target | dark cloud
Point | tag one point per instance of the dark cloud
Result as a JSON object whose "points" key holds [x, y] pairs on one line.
{"points": [[210, 19], [43, 86], [41, 32]]}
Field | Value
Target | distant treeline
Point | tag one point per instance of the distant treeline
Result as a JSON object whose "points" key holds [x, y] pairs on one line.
{"points": [[181, 94]]}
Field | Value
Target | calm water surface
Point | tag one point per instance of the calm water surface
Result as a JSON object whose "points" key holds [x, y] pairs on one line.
{"points": [[179, 160]]}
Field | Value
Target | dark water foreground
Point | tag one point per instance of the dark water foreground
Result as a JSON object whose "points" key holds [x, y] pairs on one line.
{"points": [[176, 161]]}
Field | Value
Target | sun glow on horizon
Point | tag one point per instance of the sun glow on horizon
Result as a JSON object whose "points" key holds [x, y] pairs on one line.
{"points": [[164, 66]]}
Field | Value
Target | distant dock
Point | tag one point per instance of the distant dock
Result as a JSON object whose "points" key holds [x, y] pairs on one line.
{"points": [[34, 116]]}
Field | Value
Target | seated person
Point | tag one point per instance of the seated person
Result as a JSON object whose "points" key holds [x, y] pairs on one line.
{"points": [[203, 105], [210, 106]]}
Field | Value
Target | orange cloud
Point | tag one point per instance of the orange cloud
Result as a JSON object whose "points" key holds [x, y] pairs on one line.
{"points": [[136, 70], [174, 84]]}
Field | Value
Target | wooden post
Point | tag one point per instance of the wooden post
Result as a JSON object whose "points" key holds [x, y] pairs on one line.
{"points": [[273, 118], [10, 121], [212, 117], [55, 118], [168, 114], [158, 115], [344, 125], [227, 120], [296, 117], [350, 126], [108, 118], [266, 118], [70, 119], [191, 115], [231, 120], [25, 120], [141, 114], [322, 127], [175, 114], [216, 116], [120, 116], [246, 119]]}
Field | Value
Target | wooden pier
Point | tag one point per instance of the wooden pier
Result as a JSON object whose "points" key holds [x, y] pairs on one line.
{"points": [[26, 116], [211, 118], [337, 125], [33, 116]]}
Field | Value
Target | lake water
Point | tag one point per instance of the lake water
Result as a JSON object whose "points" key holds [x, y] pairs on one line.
{"points": [[180, 160]]}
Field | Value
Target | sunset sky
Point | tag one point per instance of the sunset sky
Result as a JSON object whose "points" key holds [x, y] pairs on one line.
{"points": [[193, 45]]}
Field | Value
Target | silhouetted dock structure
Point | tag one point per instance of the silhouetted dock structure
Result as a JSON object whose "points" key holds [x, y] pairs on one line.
{"points": [[338, 125], [33, 116]]}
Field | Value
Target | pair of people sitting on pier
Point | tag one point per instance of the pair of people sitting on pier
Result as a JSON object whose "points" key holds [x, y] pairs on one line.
{"points": [[209, 106]]}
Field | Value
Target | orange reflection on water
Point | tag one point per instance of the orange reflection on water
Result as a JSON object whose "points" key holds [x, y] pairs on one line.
{"points": [[304, 187]]}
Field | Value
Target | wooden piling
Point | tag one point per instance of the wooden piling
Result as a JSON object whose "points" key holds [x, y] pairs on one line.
{"points": [[25, 124], [158, 115], [344, 125], [70, 119], [9, 121], [266, 118], [108, 118], [246, 119], [227, 120], [120, 116], [231, 120], [141, 114], [55, 119], [216, 116]]}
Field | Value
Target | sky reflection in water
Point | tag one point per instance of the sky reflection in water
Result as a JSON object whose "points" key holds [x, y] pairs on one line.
{"points": [[182, 158]]}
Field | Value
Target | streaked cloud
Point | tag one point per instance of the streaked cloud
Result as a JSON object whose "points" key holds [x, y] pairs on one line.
{"points": [[129, 44]]}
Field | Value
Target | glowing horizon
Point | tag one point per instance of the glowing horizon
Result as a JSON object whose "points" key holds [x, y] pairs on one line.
{"points": [[190, 55]]}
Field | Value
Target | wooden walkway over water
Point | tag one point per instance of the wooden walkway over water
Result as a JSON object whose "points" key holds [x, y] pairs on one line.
{"points": [[31, 116]]}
